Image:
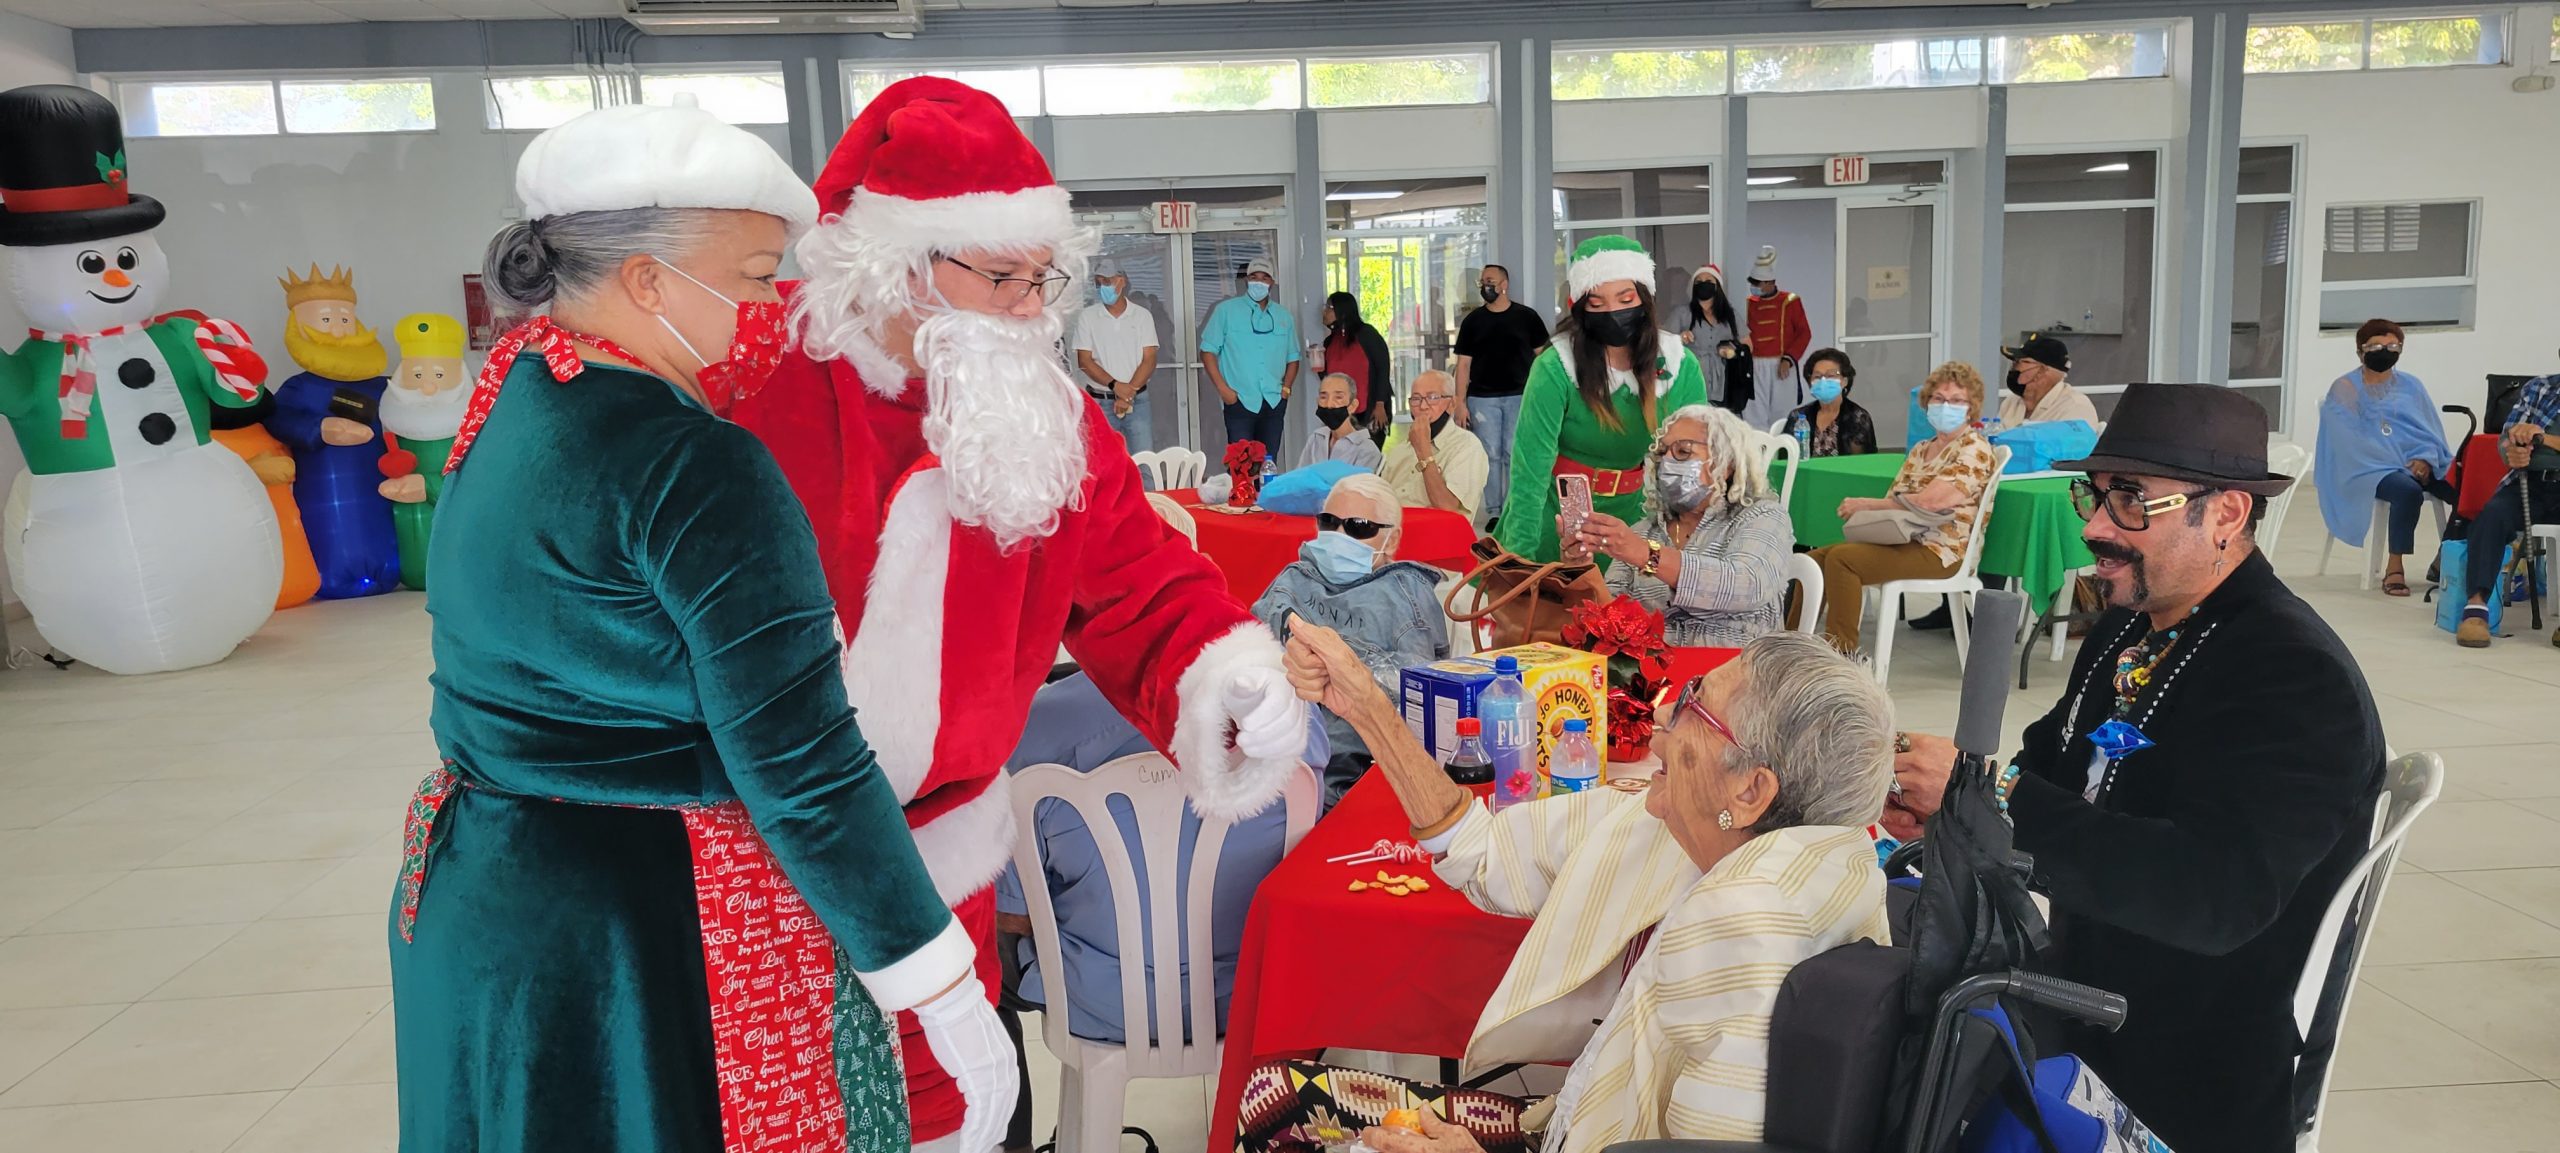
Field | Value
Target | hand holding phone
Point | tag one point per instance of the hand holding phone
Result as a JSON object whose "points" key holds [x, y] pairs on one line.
{"points": [[1573, 505]]}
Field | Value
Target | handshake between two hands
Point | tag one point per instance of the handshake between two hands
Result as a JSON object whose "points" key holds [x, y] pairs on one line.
{"points": [[1324, 670]]}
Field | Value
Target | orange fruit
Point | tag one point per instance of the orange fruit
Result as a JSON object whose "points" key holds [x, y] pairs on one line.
{"points": [[1409, 1120]]}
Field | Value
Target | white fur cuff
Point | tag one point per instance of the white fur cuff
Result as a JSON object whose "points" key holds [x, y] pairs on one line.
{"points": [[1223, 782], [1602, 267]]}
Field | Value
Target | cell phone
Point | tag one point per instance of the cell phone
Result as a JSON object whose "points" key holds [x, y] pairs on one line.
{"points": [[1573, 505]]}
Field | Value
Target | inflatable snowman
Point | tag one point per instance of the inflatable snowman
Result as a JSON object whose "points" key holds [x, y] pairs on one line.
{"points": [[143, 546]]}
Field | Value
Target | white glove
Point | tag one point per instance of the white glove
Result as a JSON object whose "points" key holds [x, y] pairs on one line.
{"points": [[1270, 720], [961, 1029]]}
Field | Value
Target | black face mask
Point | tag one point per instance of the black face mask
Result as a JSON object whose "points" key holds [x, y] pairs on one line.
{"points": [[1706, 292], [2016, 385], [1488, 292], [2382, 359], [1437, 423], [1617, 327], [1333, 417]]}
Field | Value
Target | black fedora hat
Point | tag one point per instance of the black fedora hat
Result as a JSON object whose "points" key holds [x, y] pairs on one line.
{"points": [[62, 170], [2198, 432]]}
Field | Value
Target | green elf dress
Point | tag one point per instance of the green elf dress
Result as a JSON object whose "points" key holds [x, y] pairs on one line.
{"points": [[1559, 429], [660, 897]]}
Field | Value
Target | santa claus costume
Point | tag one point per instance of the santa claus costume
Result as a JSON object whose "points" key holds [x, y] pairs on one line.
{"points": [[976, 512]]}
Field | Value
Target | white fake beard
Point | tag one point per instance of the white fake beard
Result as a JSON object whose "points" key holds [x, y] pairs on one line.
{"points": [[413, 415], [1005, 420]]}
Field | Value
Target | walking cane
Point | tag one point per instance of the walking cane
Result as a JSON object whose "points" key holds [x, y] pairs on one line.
{"points": [[2529, 549]]}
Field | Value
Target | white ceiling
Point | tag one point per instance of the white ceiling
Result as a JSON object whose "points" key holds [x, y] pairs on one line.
{"points": [[192, 13]]}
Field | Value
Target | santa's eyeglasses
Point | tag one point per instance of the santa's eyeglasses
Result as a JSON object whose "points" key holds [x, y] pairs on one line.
{"points": [[1010, 290]]}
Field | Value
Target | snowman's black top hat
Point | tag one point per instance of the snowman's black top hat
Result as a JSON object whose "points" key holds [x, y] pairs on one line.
{"points": [[62, 170]]}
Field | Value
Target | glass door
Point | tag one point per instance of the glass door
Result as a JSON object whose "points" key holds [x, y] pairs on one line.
{"points": [[1178, 278], [1890, 321]]}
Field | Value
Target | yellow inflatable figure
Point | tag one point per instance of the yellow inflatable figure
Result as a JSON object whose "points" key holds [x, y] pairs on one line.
{"points": [[422, 410]]}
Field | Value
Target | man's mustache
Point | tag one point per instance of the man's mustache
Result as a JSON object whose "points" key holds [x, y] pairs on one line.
{"points": [[2112, 551]]}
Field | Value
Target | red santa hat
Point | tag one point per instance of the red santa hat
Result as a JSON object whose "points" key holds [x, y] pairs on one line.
{"points": [[942, 167]]}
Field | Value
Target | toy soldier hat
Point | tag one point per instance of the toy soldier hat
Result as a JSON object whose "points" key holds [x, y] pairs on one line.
{"points": [[62, 170]]}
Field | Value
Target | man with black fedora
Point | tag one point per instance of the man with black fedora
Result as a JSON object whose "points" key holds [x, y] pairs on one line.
{"points": [[2204, 784]]}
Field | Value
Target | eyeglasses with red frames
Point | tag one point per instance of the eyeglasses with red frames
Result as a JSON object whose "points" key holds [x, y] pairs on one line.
{"points": [[1694, 701]]}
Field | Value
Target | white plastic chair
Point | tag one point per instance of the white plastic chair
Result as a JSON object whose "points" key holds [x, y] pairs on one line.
{"points": [[1959, 587], [1093, 1077], [1172, 467], [2409, 785], [2377, 541], [2284, 458], [2549, 535], [1766, 448], [1176, 517], [1803, 573]]}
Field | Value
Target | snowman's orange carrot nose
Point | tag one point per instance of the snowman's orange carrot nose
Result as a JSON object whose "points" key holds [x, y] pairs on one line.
{"points": [[117, 279]]}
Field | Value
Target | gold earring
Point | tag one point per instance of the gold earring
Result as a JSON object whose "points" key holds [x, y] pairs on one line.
{"points": [[1724, 820]]}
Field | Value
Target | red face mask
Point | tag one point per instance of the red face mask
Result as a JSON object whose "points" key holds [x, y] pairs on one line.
{"points": [[754, 353]]}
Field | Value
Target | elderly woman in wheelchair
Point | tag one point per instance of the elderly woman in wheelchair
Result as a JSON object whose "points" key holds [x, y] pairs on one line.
{"points": [[1671, 910]]}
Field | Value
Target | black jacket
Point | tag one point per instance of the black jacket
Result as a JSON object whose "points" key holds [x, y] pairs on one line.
{"points": [[2195, 883], [1857, 429]]}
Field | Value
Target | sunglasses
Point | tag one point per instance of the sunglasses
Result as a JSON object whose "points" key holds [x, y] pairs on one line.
{"points": [[1350, 526], [1694, 701]]}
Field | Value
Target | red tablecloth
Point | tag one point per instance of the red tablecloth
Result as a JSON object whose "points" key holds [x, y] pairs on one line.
{"points": [[1324, 967], [1252, 547]]}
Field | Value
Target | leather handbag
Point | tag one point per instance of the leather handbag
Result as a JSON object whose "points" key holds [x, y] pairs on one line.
{"points": [[1522, 601], [1901, 524]]}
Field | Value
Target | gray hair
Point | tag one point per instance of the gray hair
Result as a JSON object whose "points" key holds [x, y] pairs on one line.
{"points": [[1734, 475], [1445, 378], [1820, 723], [1381, 497], [1346, 380], [532, 263]]}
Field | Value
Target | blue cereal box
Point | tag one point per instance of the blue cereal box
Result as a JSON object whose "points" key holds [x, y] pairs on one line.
{"points": [[1437, 694]]}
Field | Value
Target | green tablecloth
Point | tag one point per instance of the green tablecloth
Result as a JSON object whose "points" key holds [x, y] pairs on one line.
{"points": [[2034, 535]]}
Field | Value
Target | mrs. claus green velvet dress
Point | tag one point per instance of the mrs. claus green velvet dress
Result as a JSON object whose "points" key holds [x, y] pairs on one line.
{"points": [[628, 611]]}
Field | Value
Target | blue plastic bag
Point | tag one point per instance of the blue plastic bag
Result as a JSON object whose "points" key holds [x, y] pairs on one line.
{"points": [[1301, 491], [2453, 563], [2034, 447], [2079, 1112]]}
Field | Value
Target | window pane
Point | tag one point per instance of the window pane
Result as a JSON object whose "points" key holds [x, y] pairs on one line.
{"points": [[1633, 74], [2555, 39], [1463, 78], [201, 109], [1457, 203], [2084, 276], [1413, 289], [2079, 56], [2261, 288], [2266, 170], [534, 102], [2083, 176], [2397, 242], [2304, 48], [1018, 89], [358, 106], [1120, 89], [1631, 194], [2434, 43], [737, 97], [1891, 254], [1864, 64], [2344, 308]]}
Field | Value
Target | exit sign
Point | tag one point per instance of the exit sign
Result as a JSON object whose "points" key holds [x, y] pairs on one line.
{"points": [[1175, 215], [1846, 170]]}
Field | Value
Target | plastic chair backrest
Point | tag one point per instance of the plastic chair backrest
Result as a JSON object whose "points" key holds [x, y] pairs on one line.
{"points": [[1158, 801], [2409, 785], [1176, 517], [1183, 467], [2284, 458], [1150, 469], [1982, 514], [1807, 575], [1767, 447]]}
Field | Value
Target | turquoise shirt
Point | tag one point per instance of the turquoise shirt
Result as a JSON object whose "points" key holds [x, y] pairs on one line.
{"points": [[1254, 344]]}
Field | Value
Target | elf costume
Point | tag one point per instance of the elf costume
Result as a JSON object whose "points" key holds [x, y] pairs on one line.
{"points": [[145, 548], [1561, 432], [952, 631], [421, 411]]}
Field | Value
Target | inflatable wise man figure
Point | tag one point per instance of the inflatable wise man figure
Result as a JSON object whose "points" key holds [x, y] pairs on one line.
{"points": [[144, 547], [422, 412], [330, 414]]}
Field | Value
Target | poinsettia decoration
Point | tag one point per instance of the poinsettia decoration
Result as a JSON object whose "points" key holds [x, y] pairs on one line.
{"points": [[1244, 467], [1629, 637]]}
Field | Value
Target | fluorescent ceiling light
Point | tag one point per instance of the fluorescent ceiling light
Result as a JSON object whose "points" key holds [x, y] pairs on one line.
{"points": [[1703, 187], [1758, 181], [2118, 166], [1363, 195]]}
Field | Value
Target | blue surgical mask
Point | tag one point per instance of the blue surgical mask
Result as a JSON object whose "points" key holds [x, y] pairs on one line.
{"points": [[1946, 418], [1826, 388], [1341, 559], [1107, 294], [1257, 290]]}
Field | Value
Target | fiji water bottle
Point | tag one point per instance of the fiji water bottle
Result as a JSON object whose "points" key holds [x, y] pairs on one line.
{"points": [[1468, 764], [1575, 765], [1510, 725]]}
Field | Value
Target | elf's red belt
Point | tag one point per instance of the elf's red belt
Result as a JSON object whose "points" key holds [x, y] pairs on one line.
{"points": [[1604, 481], [806, 1060]]}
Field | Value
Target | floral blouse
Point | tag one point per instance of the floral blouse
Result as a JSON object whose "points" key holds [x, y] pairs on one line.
{"points": [[1965, 460]]}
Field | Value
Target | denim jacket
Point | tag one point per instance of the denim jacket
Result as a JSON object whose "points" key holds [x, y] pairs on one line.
{"points": [[1391, 617]]}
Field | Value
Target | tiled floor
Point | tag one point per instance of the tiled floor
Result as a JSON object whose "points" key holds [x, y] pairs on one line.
{"points": [[194, 871]]}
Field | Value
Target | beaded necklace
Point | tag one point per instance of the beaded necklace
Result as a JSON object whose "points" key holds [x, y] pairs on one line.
{"points": [[2137, 662], [2071, 723]]}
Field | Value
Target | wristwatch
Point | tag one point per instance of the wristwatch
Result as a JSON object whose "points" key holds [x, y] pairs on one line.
{"points": [[1652, 557]]}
